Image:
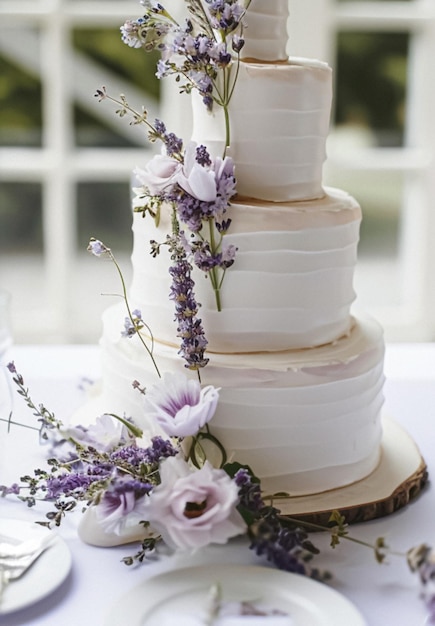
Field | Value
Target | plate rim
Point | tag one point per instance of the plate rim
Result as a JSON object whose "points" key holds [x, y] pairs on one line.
{"points": [[185, 577], [64, 554]]}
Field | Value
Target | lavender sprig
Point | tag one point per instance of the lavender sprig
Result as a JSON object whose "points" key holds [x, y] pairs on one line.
{"points": [[200, 53], [134, 321], [190, 330], [288, 548], [46, 418]]}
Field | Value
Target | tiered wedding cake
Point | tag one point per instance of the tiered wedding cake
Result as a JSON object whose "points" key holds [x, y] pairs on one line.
{"points": [[301, 378]]}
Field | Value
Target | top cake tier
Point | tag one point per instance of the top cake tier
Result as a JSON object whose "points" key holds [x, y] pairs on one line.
{"points": [[279, 122], [265, 33]]}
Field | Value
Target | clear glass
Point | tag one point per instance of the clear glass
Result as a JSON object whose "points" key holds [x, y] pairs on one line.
{"points": [[5, 324], [5, 344]]}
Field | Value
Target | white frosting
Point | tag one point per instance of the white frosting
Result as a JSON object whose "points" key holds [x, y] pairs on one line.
{"points": [[305, 420], [290, 286], [265, 31], [280, 117]]}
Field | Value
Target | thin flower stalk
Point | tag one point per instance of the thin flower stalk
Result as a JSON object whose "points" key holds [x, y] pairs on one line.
{"points": [[98, 249]]}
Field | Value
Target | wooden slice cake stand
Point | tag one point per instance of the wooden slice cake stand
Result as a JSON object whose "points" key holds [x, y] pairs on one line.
{"points": [[399, 477]]}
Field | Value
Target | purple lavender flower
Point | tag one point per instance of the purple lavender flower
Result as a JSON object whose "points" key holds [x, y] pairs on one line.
{"points": [[422, 560], [136, 456], [226, 15], [286, 548], [160, 449], [144, 33], [13, 489], [189, 328], [237, 43], [72, 483], [203, 156]]}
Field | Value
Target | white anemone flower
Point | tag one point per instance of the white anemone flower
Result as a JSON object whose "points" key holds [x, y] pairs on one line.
{"points": [[179, 405]]}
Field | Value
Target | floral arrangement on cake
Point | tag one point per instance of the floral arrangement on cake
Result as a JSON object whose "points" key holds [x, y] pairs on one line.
{"points": [[178, 486]]}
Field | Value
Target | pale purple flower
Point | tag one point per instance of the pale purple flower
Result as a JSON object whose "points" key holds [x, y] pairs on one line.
{"points": [[196, 180], [132, 324], [179, 405], [159, 174], [192, 508], [229, 252], [237, 43], [97, 247], [106, 433], [122, 506]]}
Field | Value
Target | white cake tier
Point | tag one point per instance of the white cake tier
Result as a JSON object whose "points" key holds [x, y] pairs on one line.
{"points": [[306, 421], [265, 33], [291, 285], [279, 119]]}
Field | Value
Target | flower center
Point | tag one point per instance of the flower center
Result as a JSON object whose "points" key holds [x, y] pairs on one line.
{"points": [[194, 509]]}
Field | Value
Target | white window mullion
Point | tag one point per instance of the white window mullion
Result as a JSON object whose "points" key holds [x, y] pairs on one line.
{"points": [[418, 233], [58, 212]]}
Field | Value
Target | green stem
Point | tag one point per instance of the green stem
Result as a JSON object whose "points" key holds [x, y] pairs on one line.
{"points": [[332, 531], [213, 272], [227, 129], [130, 315]]}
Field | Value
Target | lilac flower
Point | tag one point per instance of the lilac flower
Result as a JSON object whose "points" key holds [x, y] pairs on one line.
{"points": [[193, 508], [179, 405]]}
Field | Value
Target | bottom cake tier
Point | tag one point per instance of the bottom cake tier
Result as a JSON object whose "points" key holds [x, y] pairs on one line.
{"points": [[305, 421]]}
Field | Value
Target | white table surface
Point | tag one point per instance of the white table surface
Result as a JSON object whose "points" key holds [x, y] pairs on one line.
{"points": [[386, 595]]}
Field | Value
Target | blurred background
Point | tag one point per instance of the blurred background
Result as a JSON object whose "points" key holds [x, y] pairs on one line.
{"points": [[66, 160]]}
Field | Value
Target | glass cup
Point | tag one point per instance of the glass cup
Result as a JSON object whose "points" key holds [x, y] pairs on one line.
{"points": [[5, 345]]}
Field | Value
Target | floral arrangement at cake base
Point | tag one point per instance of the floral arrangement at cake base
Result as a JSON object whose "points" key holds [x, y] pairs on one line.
{"points": [[172, 482]]}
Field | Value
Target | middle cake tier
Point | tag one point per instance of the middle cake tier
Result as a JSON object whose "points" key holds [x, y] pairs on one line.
{"points": [[291, 285]]}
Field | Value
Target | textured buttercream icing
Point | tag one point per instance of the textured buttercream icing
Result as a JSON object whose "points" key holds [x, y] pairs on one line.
{"points": [[279, 121], [265, 31], [290, 287], [306, 420]]}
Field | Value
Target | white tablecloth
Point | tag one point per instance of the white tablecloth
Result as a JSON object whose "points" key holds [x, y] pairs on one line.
{"points": [[387, 595]]}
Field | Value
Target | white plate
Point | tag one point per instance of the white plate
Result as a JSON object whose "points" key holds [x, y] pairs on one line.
{"points": [[44, 576], [183, 591]]}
